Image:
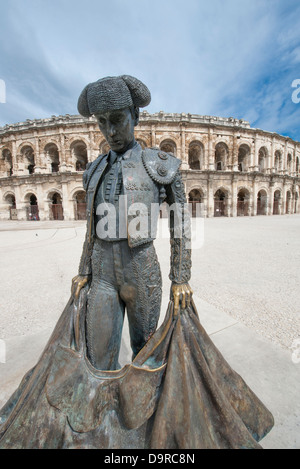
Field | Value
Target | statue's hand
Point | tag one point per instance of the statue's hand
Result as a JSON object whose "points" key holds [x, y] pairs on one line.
{"points": [[78, 283], [182, 294]]}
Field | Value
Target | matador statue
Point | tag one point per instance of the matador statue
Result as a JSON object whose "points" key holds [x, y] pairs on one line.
{"points": [[122, 268], [178, 392]]}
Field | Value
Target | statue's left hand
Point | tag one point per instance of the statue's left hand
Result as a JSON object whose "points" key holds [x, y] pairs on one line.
{"points": [[182, 294], [78, 283]]}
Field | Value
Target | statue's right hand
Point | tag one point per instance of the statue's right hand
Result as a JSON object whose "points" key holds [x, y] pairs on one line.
{"points": [[78, 283]]}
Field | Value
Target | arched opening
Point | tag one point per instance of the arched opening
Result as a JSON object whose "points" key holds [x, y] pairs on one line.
{"points": [[168, 146], [196, 199], [27, 155], [221, 156], [289, 163], [243, 199], [32, 209], [79, 155], [276, 202], [278, 161], [104, 148], [196, 155], [8, 163], [52, 155], [56, 207], [142, 143], [262, 202], [288, 202], [262, 159], [80, 205], [10, 200], [243, 157], [297, 165], [220, 203]]}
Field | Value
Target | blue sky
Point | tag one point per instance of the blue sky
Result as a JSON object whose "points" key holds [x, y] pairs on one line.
{"points": [[229, 58]]}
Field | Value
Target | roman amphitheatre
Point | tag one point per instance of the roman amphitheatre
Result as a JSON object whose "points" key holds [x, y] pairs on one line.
{"points": [[229, 168]]}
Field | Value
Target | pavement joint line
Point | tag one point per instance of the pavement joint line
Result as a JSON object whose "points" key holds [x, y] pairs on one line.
{"points": [[223, 328]]}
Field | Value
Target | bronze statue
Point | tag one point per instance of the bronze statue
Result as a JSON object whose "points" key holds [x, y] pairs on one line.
{"points": [[178, 392]]}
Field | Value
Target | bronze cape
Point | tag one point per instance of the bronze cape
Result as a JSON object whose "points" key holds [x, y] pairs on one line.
{"points": [[179, 392]]}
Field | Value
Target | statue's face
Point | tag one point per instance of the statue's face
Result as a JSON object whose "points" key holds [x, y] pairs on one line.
{"points": [[117, 128]]}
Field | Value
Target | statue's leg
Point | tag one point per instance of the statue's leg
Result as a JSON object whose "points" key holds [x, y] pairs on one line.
{"points": [[104, 323], [142, 294], [105, 310]]}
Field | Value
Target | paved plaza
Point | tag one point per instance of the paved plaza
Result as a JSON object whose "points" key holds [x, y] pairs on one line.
{"points": [[245, 279]]}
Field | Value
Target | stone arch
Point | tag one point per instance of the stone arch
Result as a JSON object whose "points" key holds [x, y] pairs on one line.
{"points": [[32, 206], [9, 199], [221, 202], [55, 201], [104, 147], [196, 155], [221, 156], [288, 202], [289, 162], [28, 158], [277, 201], [262, 202], [262, 159], [168, 146], [244, 157], [278, 161], [142, 143], [79, 198], [195, 199], [52, 155], [7, 165], [79, 154], [243, 202]]}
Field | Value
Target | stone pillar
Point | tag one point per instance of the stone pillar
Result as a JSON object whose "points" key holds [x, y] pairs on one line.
{"points": [[14, 158], [271, 199], [37, 157], [211, 154], [185, 164], [271, 165], [153, 136], [233, 212], [210, 197], [41, 202], [253, 208], [256, 152], [67, 202], [62, 154], [235, 155]]}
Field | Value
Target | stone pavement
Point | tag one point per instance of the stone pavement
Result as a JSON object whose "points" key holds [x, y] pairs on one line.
{"points": [[37, 262]]}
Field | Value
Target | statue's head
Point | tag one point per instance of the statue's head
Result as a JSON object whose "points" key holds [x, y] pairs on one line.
{"points": [[115, 102]]}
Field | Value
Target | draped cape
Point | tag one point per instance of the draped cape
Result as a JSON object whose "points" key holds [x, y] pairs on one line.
{"points": [[179, 392]]}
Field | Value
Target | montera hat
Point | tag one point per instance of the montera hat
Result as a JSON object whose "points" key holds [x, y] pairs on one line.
{"points": [[112, 93]]}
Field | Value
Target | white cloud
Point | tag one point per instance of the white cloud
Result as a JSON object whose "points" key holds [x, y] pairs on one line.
{"points": [[221, 58]]}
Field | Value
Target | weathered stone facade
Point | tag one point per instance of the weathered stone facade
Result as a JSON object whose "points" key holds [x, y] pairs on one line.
{"points": [[229, 168]]}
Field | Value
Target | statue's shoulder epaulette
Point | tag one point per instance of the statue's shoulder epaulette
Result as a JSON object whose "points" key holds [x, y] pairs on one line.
{"points": [[161, 166], [89, 171]]}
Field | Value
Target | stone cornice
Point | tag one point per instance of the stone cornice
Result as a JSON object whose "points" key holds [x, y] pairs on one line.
{"points": [[157, 118]]}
